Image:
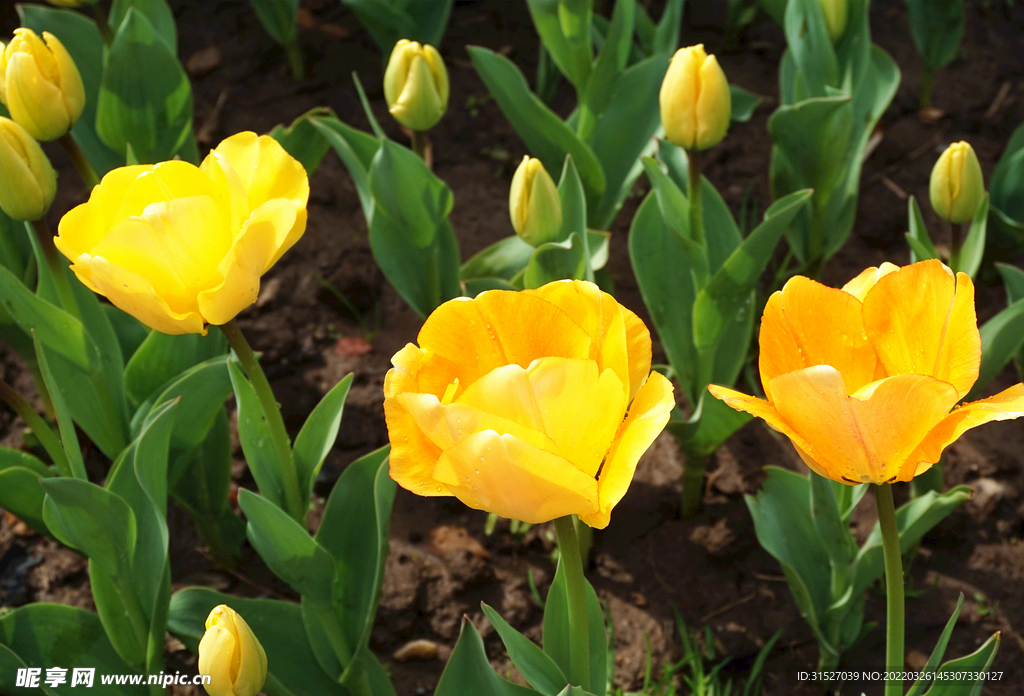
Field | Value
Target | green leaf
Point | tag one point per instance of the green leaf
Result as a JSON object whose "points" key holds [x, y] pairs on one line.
{"points": [[556, 629], [129, 331], [936, 27], [537, 668], [811, 47], [832, 530], [556, 261], [356, 150], [287, 548], [291, 668], [162, 358], [574, 201], [977, 663], [20, 492], [278, 17], [543, 132], [940, 649], [503, 259], [570, 50], [415, 199], [469, 672], [921, 247], [611, 61], [666, 35], [145, 98], [744, 104], [711, 423], [969, 259], [157, 12], [318, 434], [65, 425], [472, 288], [202, 391], [303, 140], [1002, 338], [10, 663], [1013, 279], [256, 439]]}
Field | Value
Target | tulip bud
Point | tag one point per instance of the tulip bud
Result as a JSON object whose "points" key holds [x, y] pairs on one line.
{"points": [[416, 85], [695, 100], [836, 13], [534, 204], [40, 84], [957, 184], [29, 181], [230, 653]]}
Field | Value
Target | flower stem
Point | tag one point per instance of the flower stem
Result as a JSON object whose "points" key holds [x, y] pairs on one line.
{"points": [[272, 412], [56, 266], [575, 588], [958, 233], [294, 52], [693, 485], [47, 438], [924, 95], [102, 24], [419, 144], [893, 588], [696, 215], [80, 161]]}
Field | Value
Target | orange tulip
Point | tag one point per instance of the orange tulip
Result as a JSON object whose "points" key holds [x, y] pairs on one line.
{"points": [[864, 380], [532, 405]]}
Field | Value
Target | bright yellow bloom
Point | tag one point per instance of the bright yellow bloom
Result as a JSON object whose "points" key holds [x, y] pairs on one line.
{"points": [[231, 654], [957, 184], [695, 102], [534, 204], [29, 181], [864, 380], [532, 405], [416, 85], [179, 246], [40, 84], [836, 13]]}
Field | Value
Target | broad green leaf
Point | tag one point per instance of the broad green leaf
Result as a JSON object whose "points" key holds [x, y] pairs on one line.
{"points": [[472, 288], [469, 672], [1002, 338], [503, 259], [303, 140], [546, 136], [318, 434], [20, 492], [1013, 279], [564, 29], [921, 247], [93, 521], [574, 201], [611, 61], [968, 260], [556, 261], [278, 17], [936, 26], [666, 35], [744, 103], [157, 12], [202, 390], [430, 18], [711, 423], [537, 668], [256, 439], [832, 530], [356, 150], [415, 199], [556, 630], [811, 47], [129, 331], [287, 548], [10, 663], [162, 358]]}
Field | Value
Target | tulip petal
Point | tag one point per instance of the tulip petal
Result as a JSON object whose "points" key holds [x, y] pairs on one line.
{"points": [[499, 328], [265, 169], [85, 225], [419, 371], [262, 236], [251, 670], [759, 408], [922, 322], [647, 417], [565, 400], [866, 279], [169, 181], [413, 455], [70, 80], [807, 324], [1005, 405], [514, 479], [34, 102], [866, 437], [217, 651]]}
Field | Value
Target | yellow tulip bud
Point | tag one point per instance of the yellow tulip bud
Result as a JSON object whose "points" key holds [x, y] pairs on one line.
{"points": [[957, 184], [416, 85], [29, 181], [836, 13], [534, 204], [695, 102], [40, 84], [230, 653]]}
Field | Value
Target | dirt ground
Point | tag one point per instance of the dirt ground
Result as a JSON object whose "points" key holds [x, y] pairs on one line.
{"points": [[710, 569]]}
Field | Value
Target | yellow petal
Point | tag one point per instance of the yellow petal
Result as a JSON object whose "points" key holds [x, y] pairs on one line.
{"points": [[413, 456], [866, 279], [759, 408], [252, 664], [217, 651], [34, 102], [647, 417], [419, 371], [70, 80], [922, 322], [85, 225], [265, 169], [807, 324], [866, 437], [512, 478], [1005, 405], [261, 238], [499, 328]]}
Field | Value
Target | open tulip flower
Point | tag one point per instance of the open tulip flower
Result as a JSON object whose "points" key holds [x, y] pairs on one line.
{"points": [[864, 380], [532, 405], [180, 247]]}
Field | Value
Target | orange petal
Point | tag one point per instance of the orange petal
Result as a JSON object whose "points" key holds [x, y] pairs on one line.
{"points": [[808, 324], [419, 371], [647, 417], [922, 322], [759, 408], [859, 286], [499, 328], [866, 437], [1005, 405], [413, 455], [512, 478]]}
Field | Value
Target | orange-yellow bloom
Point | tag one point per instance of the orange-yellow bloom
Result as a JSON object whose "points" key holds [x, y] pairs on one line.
{"points": [[864, 380], [532, 405], [180, 247]]}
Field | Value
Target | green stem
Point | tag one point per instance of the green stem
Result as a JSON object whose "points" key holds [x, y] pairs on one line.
{"points": [[575, 588], [47, 438], [957, 235], [335, 634], [102, 24], [56, 266], [272, 412], [893, 588], [419, 144], [924, 95], [294, 52], [696, 215], [80, 161], [693, 485]]}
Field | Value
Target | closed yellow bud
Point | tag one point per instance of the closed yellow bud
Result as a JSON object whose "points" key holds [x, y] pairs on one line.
{"points": [[416, 85], [836, 13], [534, 204], [40, 84], [29, 181], [230, 653], [957, 184], [695, 102]]}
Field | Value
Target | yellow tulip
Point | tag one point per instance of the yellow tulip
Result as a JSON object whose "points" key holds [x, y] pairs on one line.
{"points": [[534, 204], [231, 654], [695, 102], [416, 85], [40, 84], [29, 181], [957, 184], [863, 379], [179, 246], [836, 13], [532, 405]]}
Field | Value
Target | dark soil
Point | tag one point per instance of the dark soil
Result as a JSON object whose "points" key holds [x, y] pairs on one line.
{"points": [[647, 563]]}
